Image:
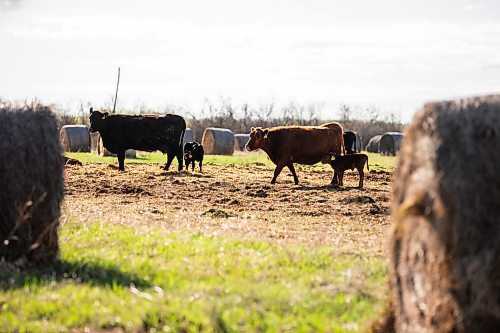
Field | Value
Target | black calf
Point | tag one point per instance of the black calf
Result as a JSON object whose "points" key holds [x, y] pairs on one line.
{"points": [[193, 151]]}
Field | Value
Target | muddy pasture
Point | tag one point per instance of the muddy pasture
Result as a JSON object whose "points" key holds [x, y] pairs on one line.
{"points": [[235, 200]]}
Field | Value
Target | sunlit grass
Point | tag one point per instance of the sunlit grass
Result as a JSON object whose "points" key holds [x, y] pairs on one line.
{"points": [[137, 279], [376, 161]]}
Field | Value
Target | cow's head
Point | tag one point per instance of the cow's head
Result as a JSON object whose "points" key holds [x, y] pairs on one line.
{"points": [[97, 120], [257, 138]]}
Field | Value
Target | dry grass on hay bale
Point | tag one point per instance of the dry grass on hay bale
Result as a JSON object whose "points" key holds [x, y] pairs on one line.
{"points": [[240, 140], [218, 141], [94, 142], [445, 250], [390, 143], [31, 182], [372, 146], [75, 138], [188, 136]]}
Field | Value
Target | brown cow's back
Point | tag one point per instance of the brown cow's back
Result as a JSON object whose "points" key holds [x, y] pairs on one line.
{"points": [[301, 144]]}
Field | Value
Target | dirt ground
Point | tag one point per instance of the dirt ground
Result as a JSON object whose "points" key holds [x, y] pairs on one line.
{"points": [[235, 200]]}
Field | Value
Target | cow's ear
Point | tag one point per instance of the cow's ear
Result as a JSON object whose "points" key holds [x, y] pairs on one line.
{"points": [[105, 115], [266, 132], [252, 129], [91, 110]]}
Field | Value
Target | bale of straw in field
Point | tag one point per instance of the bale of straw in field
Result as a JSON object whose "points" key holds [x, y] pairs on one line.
{"points": [[372, 146], [31, 183], [218, 141], [188, 136], [445, 247], [240, 140], [75, 138], [129, 153], [359, 142], [94, 142], [390, 143]]}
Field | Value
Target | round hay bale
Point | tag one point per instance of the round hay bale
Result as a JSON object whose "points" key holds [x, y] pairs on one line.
{"points": [[75, 138], [390, 143], [358, 143], [372, 146], [445, 248], [218, 141], [94, 142], [31, 169], [129, 153], [188, 136], [240, 140]]}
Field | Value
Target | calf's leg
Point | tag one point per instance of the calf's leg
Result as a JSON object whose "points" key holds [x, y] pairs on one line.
{"points": [[361, 176], [292, 170], [192, 165], [341, 177], [201, 162]]}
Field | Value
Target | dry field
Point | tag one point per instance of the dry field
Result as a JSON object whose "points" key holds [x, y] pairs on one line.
{"points": [[235, 200]]}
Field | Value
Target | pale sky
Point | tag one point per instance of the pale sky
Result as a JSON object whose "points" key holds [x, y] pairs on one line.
{"points": [[394, 55]]}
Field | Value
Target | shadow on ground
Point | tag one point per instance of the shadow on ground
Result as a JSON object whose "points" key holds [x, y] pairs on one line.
{"points": [[92, 273]]}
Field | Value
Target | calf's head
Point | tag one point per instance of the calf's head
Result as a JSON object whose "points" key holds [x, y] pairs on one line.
{"points": [[257, 138], [188, 150], [97, 120]]}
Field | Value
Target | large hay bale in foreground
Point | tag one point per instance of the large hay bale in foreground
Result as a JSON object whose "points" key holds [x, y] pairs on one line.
{"points": [[445, 251], [218, 141], [390, 143], [75, 138], [31, 184], [372, 146], [188, 136], [129, 153], [240, 140]]}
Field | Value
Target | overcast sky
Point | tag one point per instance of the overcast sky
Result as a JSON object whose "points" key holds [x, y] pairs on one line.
{"points": [[394, 55]]}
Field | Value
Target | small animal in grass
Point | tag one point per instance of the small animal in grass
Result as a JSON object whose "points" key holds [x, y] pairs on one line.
{"points": [[193, 151], [345, 162]]}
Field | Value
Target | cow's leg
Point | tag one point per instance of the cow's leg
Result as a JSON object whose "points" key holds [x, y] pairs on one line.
{"points": [[277, 171], [170, 158], [201, 162], [192, 165], [180, 159], [292, 170], [341, 177], [121, 161], [187, 164]]}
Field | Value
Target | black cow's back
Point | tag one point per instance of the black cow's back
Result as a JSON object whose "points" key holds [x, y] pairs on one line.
{"points": [[146, 133]]}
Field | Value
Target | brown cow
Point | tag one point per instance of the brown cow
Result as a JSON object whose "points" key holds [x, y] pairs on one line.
{"points": [[297, 144]]}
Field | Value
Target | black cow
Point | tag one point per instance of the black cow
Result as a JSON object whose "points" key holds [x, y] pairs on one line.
{"points": [[193, 151], [350, 142], [148, 133]]}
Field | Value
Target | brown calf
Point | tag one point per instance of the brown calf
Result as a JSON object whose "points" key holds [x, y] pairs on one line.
{"points": [[351, 161]]}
